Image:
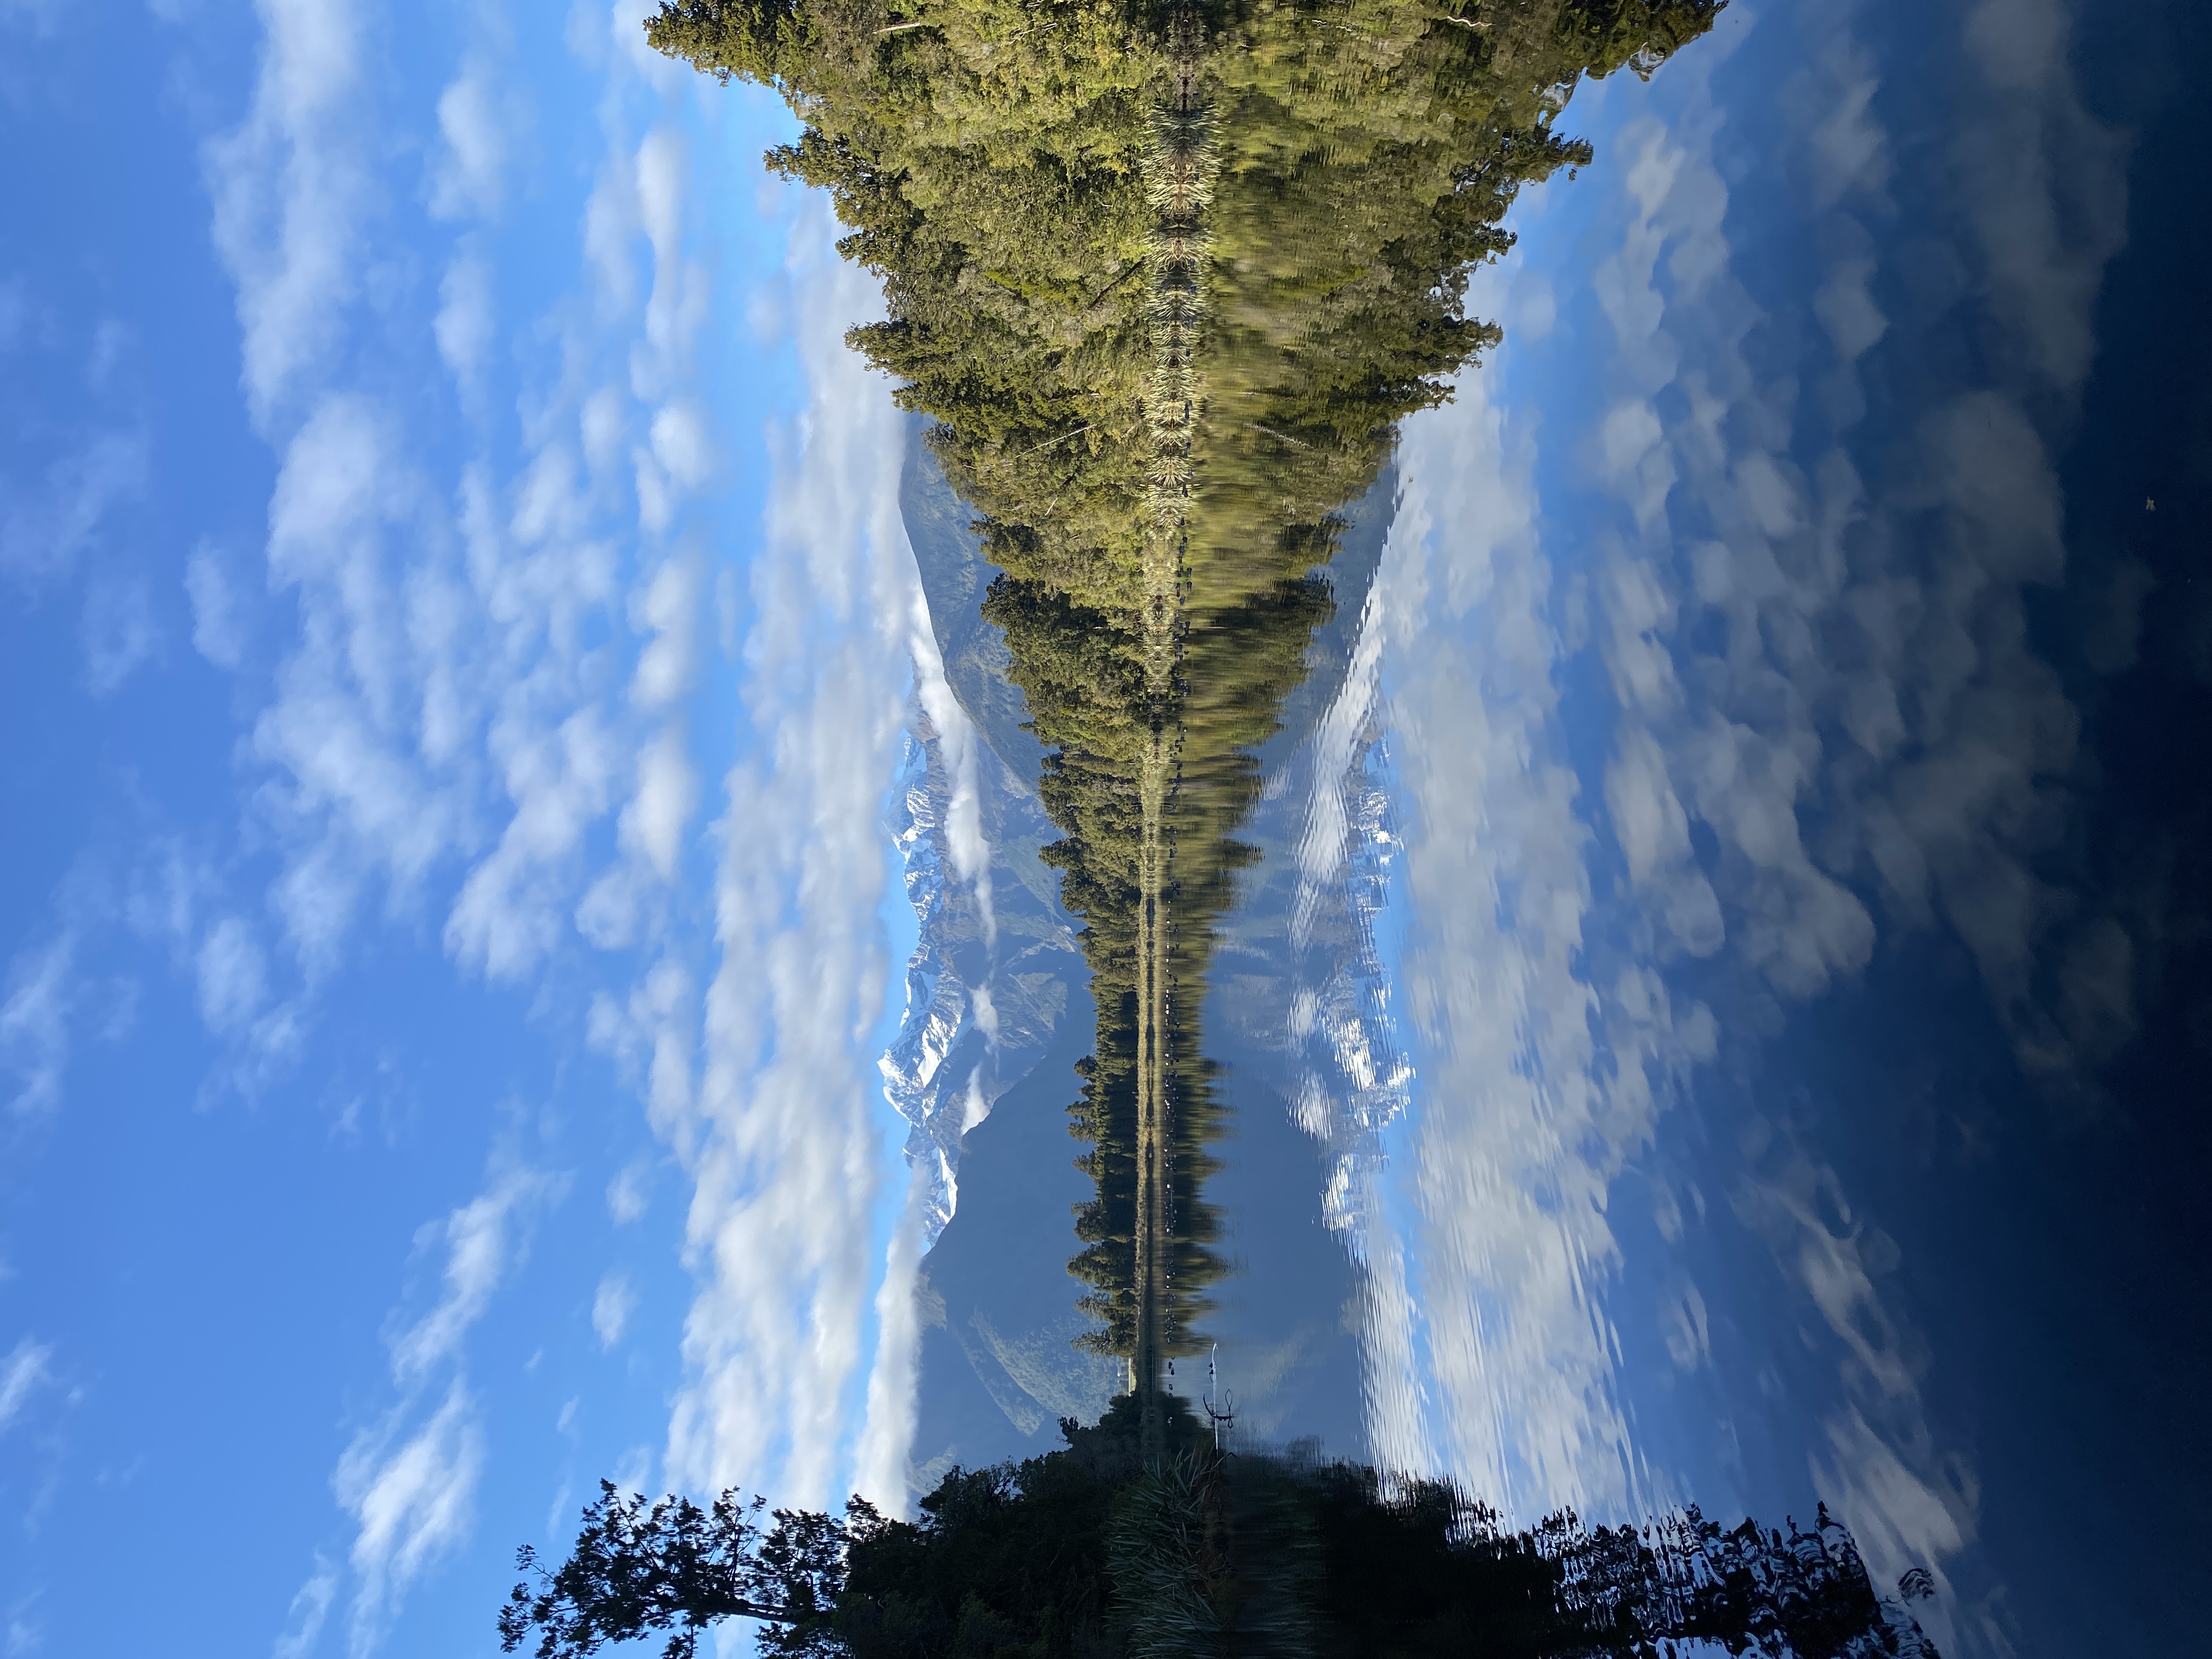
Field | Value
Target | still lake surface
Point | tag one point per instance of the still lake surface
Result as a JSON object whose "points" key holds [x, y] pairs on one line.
{"points": [[1713, 1009]]}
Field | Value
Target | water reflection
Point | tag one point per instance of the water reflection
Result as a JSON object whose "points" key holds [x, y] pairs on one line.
{"points": [[1165, 281], [1167, 285]]}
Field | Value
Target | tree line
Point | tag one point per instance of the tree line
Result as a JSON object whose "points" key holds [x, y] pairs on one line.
{"points": [[1165, 276], [998, 164], [1088, 1552]]}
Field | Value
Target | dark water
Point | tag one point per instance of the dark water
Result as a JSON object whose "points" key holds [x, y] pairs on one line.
{"points": [[1675, 963]]}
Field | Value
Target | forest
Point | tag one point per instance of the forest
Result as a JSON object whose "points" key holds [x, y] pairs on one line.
{"points": [[1094, 1551], [1164, 278]]}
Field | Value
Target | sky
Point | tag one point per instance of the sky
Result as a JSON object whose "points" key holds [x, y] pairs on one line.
{"points": [[456, 622]]}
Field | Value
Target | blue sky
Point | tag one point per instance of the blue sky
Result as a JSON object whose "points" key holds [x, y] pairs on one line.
{"points": [[457, 646]]}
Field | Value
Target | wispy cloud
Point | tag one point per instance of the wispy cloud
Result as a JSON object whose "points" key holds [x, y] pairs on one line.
{"points": [[1518, 1138], [611, 1308], [780, 1141], [483, 720], [218, 627], [28, 1367], [508, 914], [120, 634], [233, 975], [292, 188], [38, 18], [34, 1021], [413, 1502], [310, 1609], [883, 1459], [653, 1035], [961, 746], [467, 321], [50, 522], [630, 1194], [482, 1241], [1826, 719], [408, 1481], [479, 122], [1829, 611]]}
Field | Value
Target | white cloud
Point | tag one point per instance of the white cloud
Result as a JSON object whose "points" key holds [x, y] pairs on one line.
{"points": [[677, 305], [1913, 643], [310, 1609], [1847, 310], [412, 1504], [467, 323], [170, 885], [681, 446], [111, 339], [218, 630], [653, 1035], [1846, 145], [411, 1491], [28, 1365], [506, 920], [669, 607], [1517, 1136], [2044, 184], [633, 1470], [1822, 678], [548, 504], [610, 223], [883, 1460], [471, 174], [233, 975], [489, 667], [483, 1239], [611, 1307], [34, 1036], [1911, 1501], [351, 793], [961, 746], [667, 794], [345, 477], [292, 187], [629, 1194], [599, 426], [780, 1140], [444, 706]]}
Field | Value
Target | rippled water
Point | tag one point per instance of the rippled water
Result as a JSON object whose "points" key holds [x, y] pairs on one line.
{"points": [[1712, 1012]]}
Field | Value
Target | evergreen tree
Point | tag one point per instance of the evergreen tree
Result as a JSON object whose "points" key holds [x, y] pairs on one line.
{"points": [[1089, 1552], [1165, 276]]}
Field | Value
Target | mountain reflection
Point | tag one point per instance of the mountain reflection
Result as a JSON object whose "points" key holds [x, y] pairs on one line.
{"points": [[1165, 279]]}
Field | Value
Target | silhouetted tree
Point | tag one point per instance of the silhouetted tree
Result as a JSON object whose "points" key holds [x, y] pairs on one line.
{"points": [[1084, 1553], [676, 1567]]}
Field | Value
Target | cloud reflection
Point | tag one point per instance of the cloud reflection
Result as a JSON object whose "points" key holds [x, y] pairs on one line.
{"points": [[1703, 693]]}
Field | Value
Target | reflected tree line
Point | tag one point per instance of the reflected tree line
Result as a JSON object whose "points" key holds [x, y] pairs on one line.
{"points": [[1105, 1549], [1165, 276]]}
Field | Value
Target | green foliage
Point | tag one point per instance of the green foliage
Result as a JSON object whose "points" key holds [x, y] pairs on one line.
{"points": [[675, 1567], [724, 38], [1167, 272]]}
